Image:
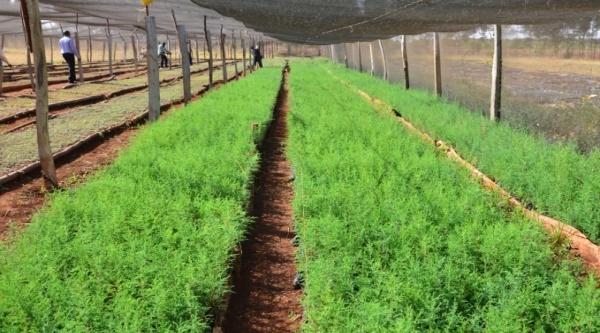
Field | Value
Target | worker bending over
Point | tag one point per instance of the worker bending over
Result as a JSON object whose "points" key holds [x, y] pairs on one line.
{"points": [[69, 52]]}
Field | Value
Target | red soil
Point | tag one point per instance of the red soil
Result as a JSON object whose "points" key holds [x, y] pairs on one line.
{"points": [[22, 200], [265, 299]]}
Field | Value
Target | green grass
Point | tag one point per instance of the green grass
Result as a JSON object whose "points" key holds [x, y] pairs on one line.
{"points": [[396, 238], [145, 245], [554, 177]]}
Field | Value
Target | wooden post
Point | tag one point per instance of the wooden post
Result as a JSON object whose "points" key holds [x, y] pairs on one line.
{"points": [[204, 50], [79, 64], [496, 97], [250, 56], [137, 45], [405, 63], [223, 61], [110, 47], [30, 71], [89, 44], [234, 49], [197, 53], [27, 36], [210, 55], [77, 45], [135, 53], [103, 51], [383, 59], [333, 53], [1, 64], [243, 53], [346, 54], [51, 51], [360, 64], [115, 46], [124, 47], [170, 52], [437, 64], [153, 76], [33, 20], [185, 63], [176, 54], [372, 60]]}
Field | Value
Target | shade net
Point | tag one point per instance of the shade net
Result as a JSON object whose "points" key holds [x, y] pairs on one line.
{"points": [[316, 21], [125, 17], [330, 21]]}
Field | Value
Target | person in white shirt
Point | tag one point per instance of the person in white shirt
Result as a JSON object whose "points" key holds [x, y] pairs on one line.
{"points": [[69, 52], [3, 58]]}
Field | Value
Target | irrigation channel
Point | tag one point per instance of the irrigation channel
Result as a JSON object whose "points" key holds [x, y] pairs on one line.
{"points": [[20, 190], [265, 297]]}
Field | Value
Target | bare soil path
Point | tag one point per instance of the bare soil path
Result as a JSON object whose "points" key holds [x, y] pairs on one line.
{"points": [[264, 298]]}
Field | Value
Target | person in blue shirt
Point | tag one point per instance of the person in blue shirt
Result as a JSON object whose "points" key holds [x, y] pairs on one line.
{"points": [[69, 52]]}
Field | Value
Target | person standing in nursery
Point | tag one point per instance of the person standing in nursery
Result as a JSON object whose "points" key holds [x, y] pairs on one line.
{"points": [[258, 57], [69, 52], [162, 53]]}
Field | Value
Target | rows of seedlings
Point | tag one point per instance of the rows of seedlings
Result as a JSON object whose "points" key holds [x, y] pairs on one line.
{"points": [[58, 71], [394, 237], [554, 178], [12, 106], [23, 85], [18, 148], [146, 244]]}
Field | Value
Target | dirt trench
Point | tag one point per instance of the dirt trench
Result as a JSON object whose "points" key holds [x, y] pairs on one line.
{"points": [[264, 298]]}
